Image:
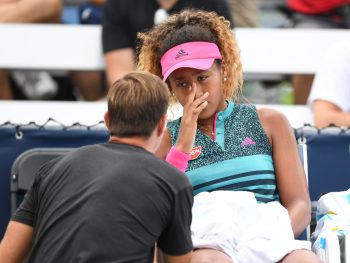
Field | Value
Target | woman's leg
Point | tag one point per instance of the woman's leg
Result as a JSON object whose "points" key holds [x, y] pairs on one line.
{"points": [[204, 255], [301, 256]]}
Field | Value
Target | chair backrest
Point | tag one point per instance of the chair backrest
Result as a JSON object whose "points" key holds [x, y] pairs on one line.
{"points": [[25, 167], [302, 149], [329, 163]]}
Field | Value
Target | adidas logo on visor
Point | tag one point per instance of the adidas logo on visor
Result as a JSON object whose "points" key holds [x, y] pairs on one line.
{"points": [[181, 53]]}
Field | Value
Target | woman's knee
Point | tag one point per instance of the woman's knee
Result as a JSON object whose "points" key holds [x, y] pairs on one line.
{"points": [[301, 256], [210, 256]]}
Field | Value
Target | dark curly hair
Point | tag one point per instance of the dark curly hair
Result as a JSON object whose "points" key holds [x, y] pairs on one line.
{"points": [[188, 26]]}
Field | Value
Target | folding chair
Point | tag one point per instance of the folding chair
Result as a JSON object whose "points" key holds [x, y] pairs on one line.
{"points": [[25, 167], [337, 248]]}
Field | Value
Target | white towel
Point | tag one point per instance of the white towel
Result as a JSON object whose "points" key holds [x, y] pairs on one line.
{"points": [[234, 223], [333, 224]]}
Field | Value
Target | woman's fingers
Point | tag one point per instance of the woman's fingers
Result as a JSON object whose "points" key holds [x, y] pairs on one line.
{"points": [[192, 95], [195, 105], [200, 107], [200, 100]]}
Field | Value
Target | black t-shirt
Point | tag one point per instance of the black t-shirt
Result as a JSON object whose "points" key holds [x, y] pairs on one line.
{"points": [[107, 203], [123, 19]]}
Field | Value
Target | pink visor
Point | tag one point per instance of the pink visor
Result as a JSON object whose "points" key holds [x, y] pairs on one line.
{"points": [[198, 55]]}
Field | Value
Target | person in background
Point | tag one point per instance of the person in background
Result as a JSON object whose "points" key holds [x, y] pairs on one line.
{"points": [[330, 93], [90, 85], [123, 19], [109, 202], [315, 14], [219, 143], [25, 11], [245, 13]]}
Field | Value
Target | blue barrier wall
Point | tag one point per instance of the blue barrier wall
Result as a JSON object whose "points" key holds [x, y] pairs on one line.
{"points": [[328, 156], [329, 163]]}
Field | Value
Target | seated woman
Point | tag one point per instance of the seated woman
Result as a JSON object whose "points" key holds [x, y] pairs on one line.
{"points": [[220, 143]]}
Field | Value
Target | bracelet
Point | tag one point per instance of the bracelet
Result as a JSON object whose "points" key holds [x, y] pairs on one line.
{"points": [[178, 159]]}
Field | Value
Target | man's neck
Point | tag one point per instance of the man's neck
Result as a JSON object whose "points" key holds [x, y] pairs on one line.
{"points": [[167, 4], [134, 141]]}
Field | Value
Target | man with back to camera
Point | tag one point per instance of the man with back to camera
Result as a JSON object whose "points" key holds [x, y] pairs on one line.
{"points": [[109, 202]]}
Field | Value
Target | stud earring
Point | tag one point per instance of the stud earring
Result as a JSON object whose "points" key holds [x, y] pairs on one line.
{"points": [[225, 78]]}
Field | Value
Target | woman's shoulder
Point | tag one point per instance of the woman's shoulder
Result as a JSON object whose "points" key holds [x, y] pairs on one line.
{"points": [[273, 121], [271, 115], [264, 114]]}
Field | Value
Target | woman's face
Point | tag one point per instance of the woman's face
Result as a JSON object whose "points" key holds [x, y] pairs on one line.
{"points": [[210, 80]]}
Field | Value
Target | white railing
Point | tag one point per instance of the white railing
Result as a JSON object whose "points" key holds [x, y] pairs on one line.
{"points": [[79, 47]]}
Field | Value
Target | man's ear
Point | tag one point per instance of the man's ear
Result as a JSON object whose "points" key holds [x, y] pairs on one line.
{"points": [[161, 125], [107, 120]]}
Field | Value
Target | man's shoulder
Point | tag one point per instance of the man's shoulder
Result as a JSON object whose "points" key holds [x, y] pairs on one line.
{"points": [[90, 147], [162, 169], [176, 177]]}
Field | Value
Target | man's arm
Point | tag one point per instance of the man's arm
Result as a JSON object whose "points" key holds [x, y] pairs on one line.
{"points": [[330, 93], [326, 113], [16, 243], [118, 40], [30, 11], [118, 63]]}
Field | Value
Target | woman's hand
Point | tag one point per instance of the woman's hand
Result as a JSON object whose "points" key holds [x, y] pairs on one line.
{"points": [[188, 126]]}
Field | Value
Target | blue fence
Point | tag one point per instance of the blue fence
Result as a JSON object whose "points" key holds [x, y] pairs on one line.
{"points": [[15, 139]]}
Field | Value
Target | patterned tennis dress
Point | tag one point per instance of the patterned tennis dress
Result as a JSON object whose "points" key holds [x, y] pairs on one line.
{"points": [[239, 159]]}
